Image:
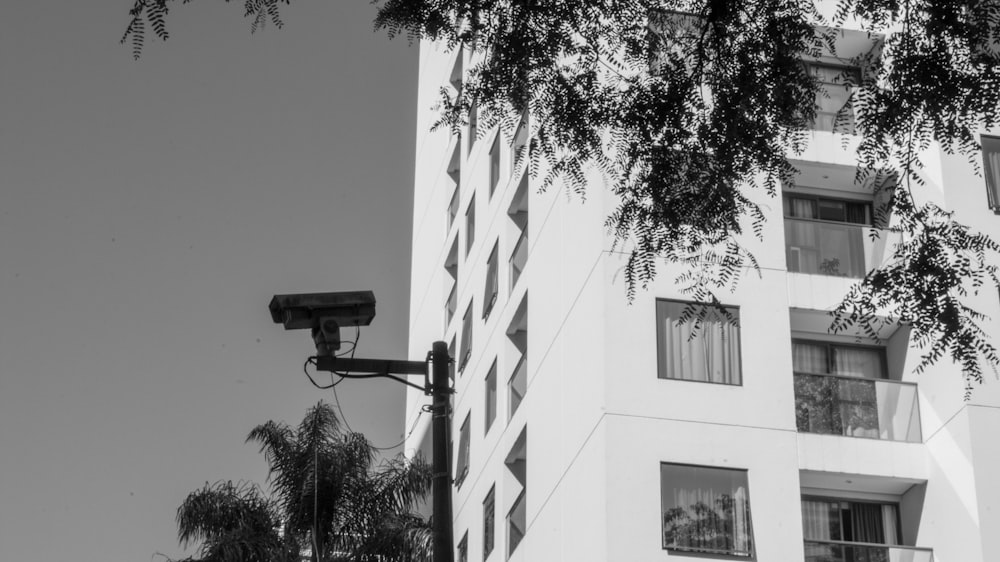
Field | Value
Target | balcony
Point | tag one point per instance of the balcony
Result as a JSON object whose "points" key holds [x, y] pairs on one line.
{"points": [[857, 407], [840, 551], [517, 522], [834, 248], [518, 258]]}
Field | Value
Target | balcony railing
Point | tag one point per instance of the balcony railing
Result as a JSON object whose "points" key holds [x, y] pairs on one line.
{"points": [[857, 407], [840, 551], [517, 386], [518, 258], [834, 248]]}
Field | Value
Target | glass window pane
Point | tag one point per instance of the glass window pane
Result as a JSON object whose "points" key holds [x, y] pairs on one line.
{"points": [[707, 353], [991, 169], [705, 509], [489, 514], [832, 210], [463, 453], [491, 396]]}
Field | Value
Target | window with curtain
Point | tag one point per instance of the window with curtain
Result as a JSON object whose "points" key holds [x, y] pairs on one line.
{"points": [[705, 509], [843, 404], [833, 112], [492, 284], [991, 169], [709, 352], [831, 519], [825, 236], [462, 468], [489, 518]]}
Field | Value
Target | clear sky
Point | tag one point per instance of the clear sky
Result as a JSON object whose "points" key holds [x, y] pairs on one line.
{"points": [[148, 211]]}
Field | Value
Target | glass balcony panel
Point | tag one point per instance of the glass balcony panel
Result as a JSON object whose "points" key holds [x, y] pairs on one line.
{"points": [[518, 259], [518, 384], [832, 248], [856, 407], [835, 551]]}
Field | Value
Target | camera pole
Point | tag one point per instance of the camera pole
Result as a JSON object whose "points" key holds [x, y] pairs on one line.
{"points": [[438, 385], [439, 441]]}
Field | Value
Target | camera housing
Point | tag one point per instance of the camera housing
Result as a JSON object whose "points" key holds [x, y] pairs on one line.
{"points": [[323, 314]]}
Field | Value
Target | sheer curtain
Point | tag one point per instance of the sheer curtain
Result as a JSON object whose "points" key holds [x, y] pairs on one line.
{"points": [[706, 509], [712, 355]]}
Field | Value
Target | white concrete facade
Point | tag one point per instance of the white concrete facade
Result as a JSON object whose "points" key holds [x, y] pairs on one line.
{"points": [[599, 421]]}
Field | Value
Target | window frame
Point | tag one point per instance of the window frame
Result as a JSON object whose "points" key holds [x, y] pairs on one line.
{"points": [[829, 345], [494, 165], [470, 225], [490, 406], [686, 551], [463, 456], [661, 351], [492, 286], [465, 343], [489, 522], [849, 500], [992, 190]]}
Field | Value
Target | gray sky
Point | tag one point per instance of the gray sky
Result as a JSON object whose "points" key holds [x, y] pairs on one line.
{"points": [[148, 211]]}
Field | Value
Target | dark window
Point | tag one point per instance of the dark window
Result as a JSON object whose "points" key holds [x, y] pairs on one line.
{"points": [[491, 397], [462, 469], [465, 352], [463, 548], [495, 164], [489, 525], [470, 225], [833, 519], [991, 169], [705, 350], [492, 283], [705, 509]]}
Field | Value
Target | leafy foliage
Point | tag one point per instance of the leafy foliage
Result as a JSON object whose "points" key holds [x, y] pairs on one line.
{"points": [[327, 500], [689, 109]]}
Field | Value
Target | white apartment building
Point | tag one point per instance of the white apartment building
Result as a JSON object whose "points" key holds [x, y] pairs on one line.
{"points": [[586, 428]]}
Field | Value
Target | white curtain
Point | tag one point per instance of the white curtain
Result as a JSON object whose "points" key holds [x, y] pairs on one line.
{"points": [[711, 355]]}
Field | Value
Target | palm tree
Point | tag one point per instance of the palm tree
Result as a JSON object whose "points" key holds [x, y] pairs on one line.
{"points": [[328, 499]]}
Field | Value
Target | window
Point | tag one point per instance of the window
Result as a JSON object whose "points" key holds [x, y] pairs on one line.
{"points": [[462, 469], [705, 350], [517, 515], [834, 519], [518, 151], [991, 169], [489, 515], [453, 207], [473, 123], [491, 397], [470, 225], [463, 548], [450, 305], [518, 213], [826, 236], [833, 110], [517, 336], [495, 163], [466, 350], [705, 510], [451, 364], [492, 284], [844, 390]]}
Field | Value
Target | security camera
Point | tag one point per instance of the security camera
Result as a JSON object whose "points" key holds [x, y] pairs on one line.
{"points": [[323, 314]]}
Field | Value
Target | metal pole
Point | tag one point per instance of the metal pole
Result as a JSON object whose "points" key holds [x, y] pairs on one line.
{"points": [[440, 388]]}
